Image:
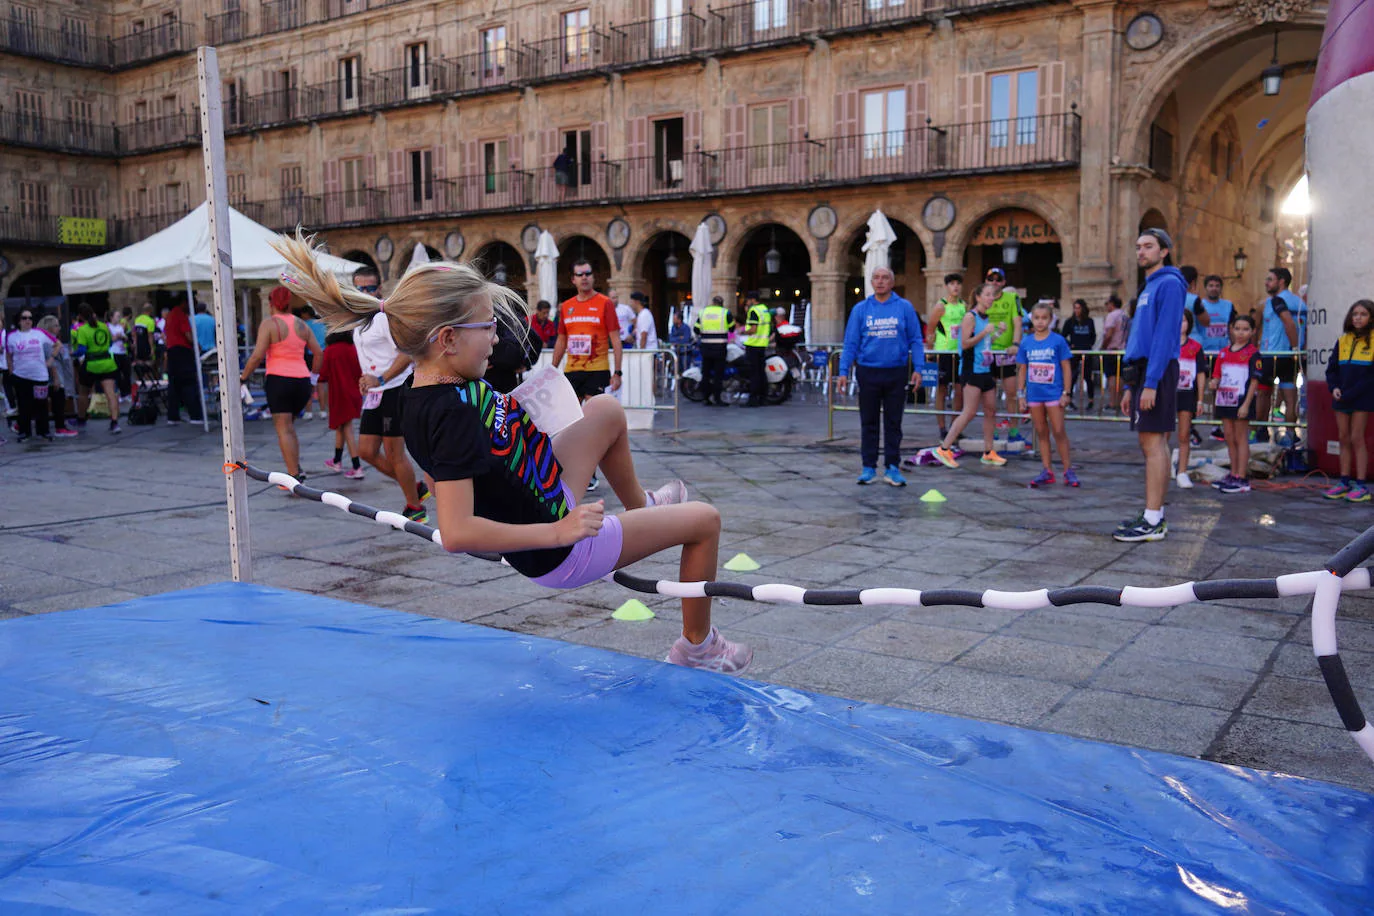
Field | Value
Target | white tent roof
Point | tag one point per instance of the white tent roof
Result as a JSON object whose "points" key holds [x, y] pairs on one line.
{"points": [[181, 253]]}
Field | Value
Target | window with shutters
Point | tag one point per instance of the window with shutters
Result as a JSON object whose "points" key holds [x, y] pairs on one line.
{"points": [[33, 199], [30, 108], [349, 72], [1012, 102], [577, 37], [767, 136], [417, 69], [352, 181], [668, 151], [1232, 161], [80, 114], [494, 53], [289, 182], [76, 36], [171, 198], [884, 123], [667, 33], [169, 19], [81, 202], [168, 106], [236, 184], [420, 163], [770, 14], [230, 99], [23, 26], [496, 166], [1267, 197], [1161, 152], [138, 202], [140, 112], [577, 144]]}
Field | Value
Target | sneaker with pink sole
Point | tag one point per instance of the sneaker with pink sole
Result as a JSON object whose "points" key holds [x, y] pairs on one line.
{"points": [[331, 465], [355, 474], [716, 653], [670, 494]]}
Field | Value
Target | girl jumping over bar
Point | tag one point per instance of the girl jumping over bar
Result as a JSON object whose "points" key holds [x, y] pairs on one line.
{"points": [[502, 485]]}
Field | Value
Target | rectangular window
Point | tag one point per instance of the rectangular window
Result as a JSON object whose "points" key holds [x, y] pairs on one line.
{"points": [[1012, 102], [348, 82], [169, 19], [494, 53], [1161, 152], [495, 165], [768, 136], [81, 202], [668, 151], [352, 181], [136, 27], [289, 182], [421, 177], [578, 145], [231, 102], [417, 67], [171, 198], [577, 37], [884, 123], [1267, 198], [168, 106], [80, 113], [237, 186], [33, 199], [76, 36], [770, 14], [23, 26], [667, 24], [30, 105]]}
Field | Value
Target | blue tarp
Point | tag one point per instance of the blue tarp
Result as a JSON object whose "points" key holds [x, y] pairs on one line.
{"points": [[244, 749]]}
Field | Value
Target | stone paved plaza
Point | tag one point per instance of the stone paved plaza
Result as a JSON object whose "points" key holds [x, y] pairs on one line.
{"points": [[102, 519]]}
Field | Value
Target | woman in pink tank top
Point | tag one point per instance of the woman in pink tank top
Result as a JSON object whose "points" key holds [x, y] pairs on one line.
{"points": [[283, 339]]}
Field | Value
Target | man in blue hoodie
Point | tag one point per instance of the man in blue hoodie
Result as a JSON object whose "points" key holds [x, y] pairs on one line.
{"points": [[1150, 375], [882, 340]]}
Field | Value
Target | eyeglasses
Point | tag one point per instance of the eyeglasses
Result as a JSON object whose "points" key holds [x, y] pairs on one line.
{"points": [[475, 326], [585, 273], [367, 288], [26, 318]]}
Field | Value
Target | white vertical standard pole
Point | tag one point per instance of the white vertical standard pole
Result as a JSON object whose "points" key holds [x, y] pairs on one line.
{"points": [[226, 340]]}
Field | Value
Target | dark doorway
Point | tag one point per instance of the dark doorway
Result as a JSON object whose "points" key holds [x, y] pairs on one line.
{"points": [[906, 257], [668, 152], [496, 258], [790, 284], [578, 145], [667, 294]]}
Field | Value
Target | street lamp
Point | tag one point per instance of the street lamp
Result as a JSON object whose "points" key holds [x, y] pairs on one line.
{"points": [[772, 258], [1272, 76], [499, 274], [1011, 250], [1240, 258], [670, 263]]}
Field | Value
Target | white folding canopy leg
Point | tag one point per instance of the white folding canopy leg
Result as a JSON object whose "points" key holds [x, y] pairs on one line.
{"points": [[226, 340]]}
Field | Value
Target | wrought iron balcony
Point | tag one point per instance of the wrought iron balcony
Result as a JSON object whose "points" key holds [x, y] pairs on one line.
{"points": [[146, 136], [567, 55], [80, 137], [153, 44], [226, 27], [129, 229], [63, 46], [341, 97], [1045, 142], [281, 15], [652, 41]]}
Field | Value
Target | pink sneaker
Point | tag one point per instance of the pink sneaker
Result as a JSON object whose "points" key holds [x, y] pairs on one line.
{"points": [[670, 494], [355, 474], [716, 653], [331, 465]]}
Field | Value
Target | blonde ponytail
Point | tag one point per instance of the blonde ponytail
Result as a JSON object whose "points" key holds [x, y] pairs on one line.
{"points": [[342, 308]]}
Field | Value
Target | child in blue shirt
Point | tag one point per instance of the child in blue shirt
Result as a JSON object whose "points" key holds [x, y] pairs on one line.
{"points": [[1043, 363]]}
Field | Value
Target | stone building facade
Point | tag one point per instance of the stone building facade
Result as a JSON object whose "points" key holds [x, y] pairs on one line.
{"points": [[785, 122]]}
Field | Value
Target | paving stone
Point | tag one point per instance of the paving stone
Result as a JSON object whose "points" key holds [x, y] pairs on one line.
{"points": [[1034, 658], [1208, 648], [1137, 721], [853, 675], [1298, 699], [911, 640], [979, 695], [1073, 629], [1300, 748], [1263, 624], [1133, 671], [814, 624]]}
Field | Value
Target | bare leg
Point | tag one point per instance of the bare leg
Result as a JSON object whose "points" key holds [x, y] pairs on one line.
{"points": [[370, 450], [1042, 432], [696, 526], [970, 409], [1061, 435], [1185, 445], [288, 443], [1242, 434], [111, 397], [1155, 448], [1264, 399], [1347, 443], [83, 402], [989, 418], [401, 469], [600, 439], [1358, 421], [350, 439]]}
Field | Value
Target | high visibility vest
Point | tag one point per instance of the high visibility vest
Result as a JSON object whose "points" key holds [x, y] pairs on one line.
{"points": [[761, 316], [714, 324]]}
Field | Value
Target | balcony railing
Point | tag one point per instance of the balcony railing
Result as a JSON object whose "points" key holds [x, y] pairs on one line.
{"points": [[1048, 141], [864, 14], [566, 55], [281, 15], [151, 44], [160, 133], [762, 22], [226, 27], [62, 46], [284, 213], [45, 229], [653, 40], [129, 229], [83, 137], [342, 96]]}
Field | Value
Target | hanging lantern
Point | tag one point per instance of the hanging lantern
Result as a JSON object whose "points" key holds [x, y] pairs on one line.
{"points": [[772, 259], [1011, 249]]}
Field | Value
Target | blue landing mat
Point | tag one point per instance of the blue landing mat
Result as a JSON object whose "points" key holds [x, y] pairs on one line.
{"points": [[243, 749]]}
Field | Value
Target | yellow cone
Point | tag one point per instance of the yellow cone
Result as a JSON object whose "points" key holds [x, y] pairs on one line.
{"points": [[634, 609], [741, 562], [933, 496]]}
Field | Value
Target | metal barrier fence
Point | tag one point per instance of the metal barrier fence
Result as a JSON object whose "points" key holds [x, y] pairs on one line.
{"points": [[839, 392]]}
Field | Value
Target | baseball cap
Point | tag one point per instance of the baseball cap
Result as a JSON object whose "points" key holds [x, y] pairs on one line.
{"points": [[639, 297], [1160, 236], [994, 272]]}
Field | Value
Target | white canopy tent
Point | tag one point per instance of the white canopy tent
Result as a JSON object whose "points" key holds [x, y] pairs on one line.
{"points": [[546, 270], [181, 255], [880, 239]]}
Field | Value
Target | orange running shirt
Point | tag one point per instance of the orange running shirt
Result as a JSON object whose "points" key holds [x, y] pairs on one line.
{"points": [[589, 326]]}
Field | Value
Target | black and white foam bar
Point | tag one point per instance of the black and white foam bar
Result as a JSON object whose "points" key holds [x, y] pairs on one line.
{"points": [[1342, 574]]}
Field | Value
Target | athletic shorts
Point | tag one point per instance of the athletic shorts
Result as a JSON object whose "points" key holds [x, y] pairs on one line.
{"points": [[1054, 403], [1003, 372], [1111, 365], [983, 381], [947, 365], [93, 379], [591, 558], [385, 419], [1163, 417], [1233, 413], [1283, 369], [286, 395], [589, 384], [1187, 401]]}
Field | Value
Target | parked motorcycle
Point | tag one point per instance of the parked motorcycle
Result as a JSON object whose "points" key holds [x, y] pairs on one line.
{"points": [[781, 373]]}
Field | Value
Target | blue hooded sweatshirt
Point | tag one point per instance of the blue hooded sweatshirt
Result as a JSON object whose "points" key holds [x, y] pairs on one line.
{"points": [[882, 335], [1155, 327]]}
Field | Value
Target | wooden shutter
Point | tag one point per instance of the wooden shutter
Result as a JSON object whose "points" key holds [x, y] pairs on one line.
{"points": [[470, 184], [969, 142], [798, 151], [847, 146], [796, 119], [734, 165], [396, 168], [1050, 108], [917, 150], [548, 147], [692, 177], [517, 150], [637, 139], [332, 176], [847, 113], [370, 170], [598, 152]]}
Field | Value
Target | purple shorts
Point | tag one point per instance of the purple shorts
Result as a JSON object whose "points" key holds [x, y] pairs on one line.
{"points": [[591, 558]]}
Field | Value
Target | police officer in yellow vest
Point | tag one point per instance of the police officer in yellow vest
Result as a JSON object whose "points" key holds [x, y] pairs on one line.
{"points": [[713, 326], [758, 330]]}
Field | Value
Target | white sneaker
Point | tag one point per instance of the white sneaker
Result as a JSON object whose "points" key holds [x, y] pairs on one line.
{"points": [[670, 494], [1184, 481]]}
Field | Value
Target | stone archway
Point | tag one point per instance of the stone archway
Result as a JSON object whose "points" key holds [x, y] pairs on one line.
{"points": [[791, 284], [1038, 252], [577, 247], [665, 293], [496, 257], [961, 233], [907, 258]]}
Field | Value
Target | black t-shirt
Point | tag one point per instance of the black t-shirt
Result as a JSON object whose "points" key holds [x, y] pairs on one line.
{"points": [[1081, 334], [472, 432]]}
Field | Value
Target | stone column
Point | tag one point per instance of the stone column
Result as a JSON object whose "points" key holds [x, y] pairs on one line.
{"points": [[622, 284], [725, 287], [1096, 228], [827, 305]]}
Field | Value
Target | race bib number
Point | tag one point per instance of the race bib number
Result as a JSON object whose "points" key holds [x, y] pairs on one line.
{"points": [[40, 392], [1040, 373], [373, 400], [1215, 331], [1232, 385], [1187, 374], [580, 345], [1006, 359]]}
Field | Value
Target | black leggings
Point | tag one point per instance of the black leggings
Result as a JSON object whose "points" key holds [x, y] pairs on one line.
{"points": [[1079, 364], [32, 411]]}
